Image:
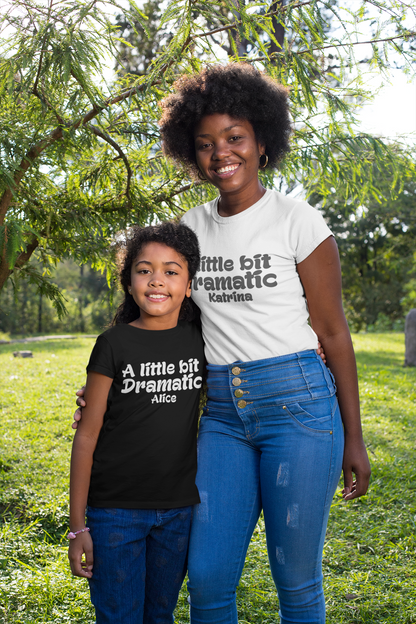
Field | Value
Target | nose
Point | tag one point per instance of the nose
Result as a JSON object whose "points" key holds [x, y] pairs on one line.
{"points": [[221, 150], [156, 279]]}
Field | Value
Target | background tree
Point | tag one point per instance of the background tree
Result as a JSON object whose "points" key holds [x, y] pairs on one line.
{"points": [[376, 240], [139, 46], [87, 298], [80, 155]]}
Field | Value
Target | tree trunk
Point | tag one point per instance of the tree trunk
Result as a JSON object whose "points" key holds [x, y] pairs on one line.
{"points": [[241, 44], [410, 339], [81, 300], [40, 314], [23, 310], [22, 258], [278, 28]]}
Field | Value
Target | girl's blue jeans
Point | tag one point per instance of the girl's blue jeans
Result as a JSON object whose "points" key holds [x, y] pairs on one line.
{"points": [[139, 563], [270, 438]]}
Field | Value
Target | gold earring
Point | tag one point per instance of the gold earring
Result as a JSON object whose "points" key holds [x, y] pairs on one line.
{"points": [[200, 176], [265, 164]]}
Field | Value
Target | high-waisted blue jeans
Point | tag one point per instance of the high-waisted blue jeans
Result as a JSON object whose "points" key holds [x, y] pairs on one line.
{"points": [[270, 438]]}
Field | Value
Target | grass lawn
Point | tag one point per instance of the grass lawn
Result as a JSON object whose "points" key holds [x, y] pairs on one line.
{"points": [[369, 558]]}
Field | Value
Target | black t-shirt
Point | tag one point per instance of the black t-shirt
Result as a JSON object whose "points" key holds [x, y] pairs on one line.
{"points": [[146, 451]]}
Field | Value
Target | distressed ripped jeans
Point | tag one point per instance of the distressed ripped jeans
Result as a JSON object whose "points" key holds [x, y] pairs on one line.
{"points": [[270, 438]]}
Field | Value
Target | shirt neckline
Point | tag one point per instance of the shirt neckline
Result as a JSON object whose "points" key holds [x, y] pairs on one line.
{"points": [[241, 215], [154, 331]]}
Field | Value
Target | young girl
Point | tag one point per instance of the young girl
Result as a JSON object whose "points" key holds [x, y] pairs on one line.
{"points": [[133, 460]]}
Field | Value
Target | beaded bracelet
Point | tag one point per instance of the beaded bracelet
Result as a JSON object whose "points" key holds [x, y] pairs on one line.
{"points": [[72, 535]]}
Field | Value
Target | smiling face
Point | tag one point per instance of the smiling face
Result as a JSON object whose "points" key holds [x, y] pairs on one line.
{"points": [[228, 153], [159, 284]]}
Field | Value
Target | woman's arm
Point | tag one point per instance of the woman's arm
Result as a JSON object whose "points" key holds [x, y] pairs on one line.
{"points": [[320, 275], [85, 441]]}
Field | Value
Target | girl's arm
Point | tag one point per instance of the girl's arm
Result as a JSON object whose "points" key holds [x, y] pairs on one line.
{"points": [[320, 275], [85, 441]]}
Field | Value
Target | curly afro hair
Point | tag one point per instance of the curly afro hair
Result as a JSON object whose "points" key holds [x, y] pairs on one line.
{"points": [[236, 89], [175, 235]]}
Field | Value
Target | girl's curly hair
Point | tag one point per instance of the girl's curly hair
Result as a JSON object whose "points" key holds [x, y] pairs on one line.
{"points": [[179, 237], [236, 89]]}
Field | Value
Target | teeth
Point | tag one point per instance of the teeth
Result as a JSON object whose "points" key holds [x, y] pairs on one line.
{"points": [[157, 296], [227, 168]]}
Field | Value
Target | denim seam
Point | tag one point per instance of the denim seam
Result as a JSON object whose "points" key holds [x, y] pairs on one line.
{"points": [[250, 436], [244, 555], [254, 365], [304, 376], [279, 399], [308, 429], [334, 409], [326, 502], [267, 383], [290, 393]]}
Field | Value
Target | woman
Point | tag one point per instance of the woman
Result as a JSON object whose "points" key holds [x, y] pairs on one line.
{"points": [[272, 435]]}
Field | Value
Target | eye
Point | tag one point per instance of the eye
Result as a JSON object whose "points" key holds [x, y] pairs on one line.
{"points": [[235, 138], [203, 146], [171, 272], [143, 271]]}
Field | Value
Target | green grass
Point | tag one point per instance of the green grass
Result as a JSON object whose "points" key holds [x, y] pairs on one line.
{"points": [[370, 552]]}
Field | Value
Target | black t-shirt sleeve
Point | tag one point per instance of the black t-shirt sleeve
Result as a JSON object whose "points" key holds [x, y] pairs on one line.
{"points": [[102, 358]]}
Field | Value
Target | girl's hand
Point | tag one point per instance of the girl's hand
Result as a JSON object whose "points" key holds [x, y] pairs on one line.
{"points": [[79, 546], [355, 461], [81, 403]]}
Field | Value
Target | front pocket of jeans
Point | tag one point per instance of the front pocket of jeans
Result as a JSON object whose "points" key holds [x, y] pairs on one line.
{"points": [[314, 415]]}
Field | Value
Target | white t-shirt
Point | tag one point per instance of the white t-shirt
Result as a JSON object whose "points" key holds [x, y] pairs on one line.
{"points": [[249, 292]]}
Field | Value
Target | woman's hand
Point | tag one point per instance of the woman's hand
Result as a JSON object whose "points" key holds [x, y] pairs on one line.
{"points": [[355, 461], [79, 546], [81, 403], [320, 351]]}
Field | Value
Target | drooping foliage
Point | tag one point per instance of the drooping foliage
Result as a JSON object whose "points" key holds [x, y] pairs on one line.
{"points": [[80, 155], [376, 240]]}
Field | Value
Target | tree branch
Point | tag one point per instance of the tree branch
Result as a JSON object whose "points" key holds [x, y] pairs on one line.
{"points": [[57, 134], [48, 104], [22, 258], [87, 10], [283, 9], [182, 189], [118, 149], [35, 86], [354, 43], [332, 46], [238, 22], [53, 136], [279, 30]]}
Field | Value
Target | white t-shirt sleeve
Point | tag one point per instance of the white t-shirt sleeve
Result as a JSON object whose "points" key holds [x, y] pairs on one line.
{"points": [[308, 230]]}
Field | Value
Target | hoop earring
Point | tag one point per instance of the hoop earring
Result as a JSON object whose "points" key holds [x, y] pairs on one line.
{"points": [[265, 164], [200, 176]]}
